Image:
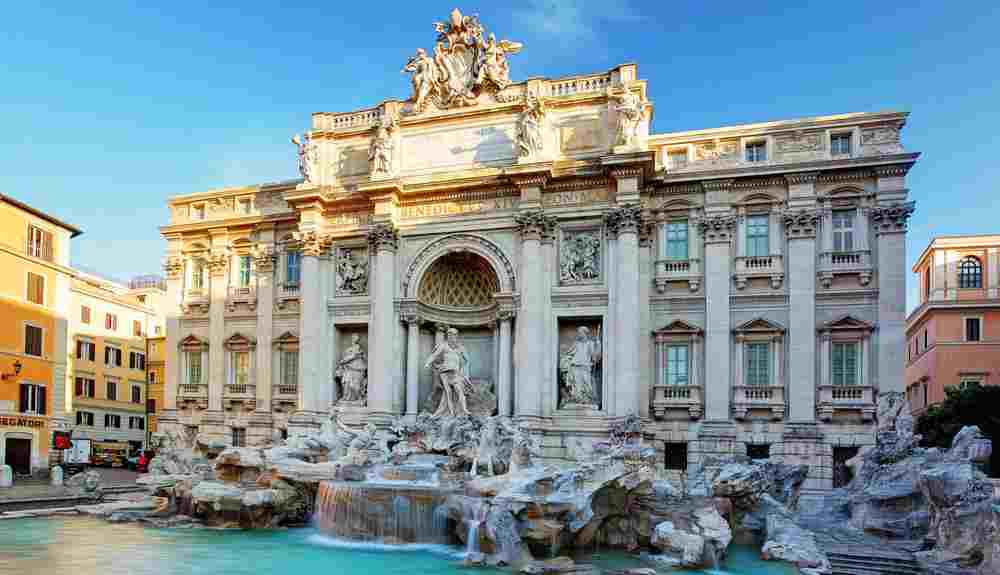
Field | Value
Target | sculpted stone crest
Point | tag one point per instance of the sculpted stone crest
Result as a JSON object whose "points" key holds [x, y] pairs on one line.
{"points": [[466, 63]]}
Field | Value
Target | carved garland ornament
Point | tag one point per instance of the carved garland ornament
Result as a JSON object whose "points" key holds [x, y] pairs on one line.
{"points": [[892, 217]]}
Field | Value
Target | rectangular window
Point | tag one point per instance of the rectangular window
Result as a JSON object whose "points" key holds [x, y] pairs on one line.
{"points": [[843, 230], [84, 387], [244, 271], [137, 360], [758, 363], [289, 368], [84, 314], [112, 356], [677, 365], [111, 322], [197, 275], [758, 236], [677, 240], [756, 151], [151, 378], [759, 450], [39, 243], [676, 455], [241, 367], [293, 267], [239, 437], [112, 389], [677, 158], [137, 328], [33, 340], [136, 394], [194, 367], [112, 421], [840, 144], [925, 338], [135, 422], [32, 399], [151, 406], [845, 364], [972, 329], [36, 288], [85, 418]]}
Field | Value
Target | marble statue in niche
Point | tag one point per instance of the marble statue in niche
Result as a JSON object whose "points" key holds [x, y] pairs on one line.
{"points": [[577, 364], [530, 139], [451, 363], [380, 151], [580, 258], [630, 111], [307, 156], [352, 273], [352, 372]]}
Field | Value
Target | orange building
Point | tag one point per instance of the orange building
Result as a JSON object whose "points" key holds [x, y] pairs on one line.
{"points": [[953, 337], [35, 280]]}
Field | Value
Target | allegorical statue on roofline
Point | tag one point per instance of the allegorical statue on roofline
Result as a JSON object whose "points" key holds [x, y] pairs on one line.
{"points": [[466, 63]]}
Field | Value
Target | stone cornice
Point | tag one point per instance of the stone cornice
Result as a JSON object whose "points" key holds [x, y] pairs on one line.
{"points": [[586, 183], [893, 171], [530, 180], [757, 183], [801, 178], [717, 185]]}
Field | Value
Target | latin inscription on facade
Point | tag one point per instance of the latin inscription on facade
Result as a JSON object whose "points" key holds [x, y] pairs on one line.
{"points": [[581, 135], [459, 207], [574, 197], [457, 147], [353, 162]]}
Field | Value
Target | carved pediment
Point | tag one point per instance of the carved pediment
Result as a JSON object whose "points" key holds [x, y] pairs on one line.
{"points": [[760, 325], [679, 327], [239, 342], [847, 323], [193, 343], [287, 340]]}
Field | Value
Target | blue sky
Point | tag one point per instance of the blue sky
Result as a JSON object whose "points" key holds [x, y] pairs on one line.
{"points": [[109, 108]]}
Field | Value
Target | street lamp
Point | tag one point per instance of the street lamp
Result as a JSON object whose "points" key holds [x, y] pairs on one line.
{"points": [[17, 371]]}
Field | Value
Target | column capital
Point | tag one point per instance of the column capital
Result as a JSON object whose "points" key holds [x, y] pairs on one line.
{"points": [[717, 228], [535, 224], [218, 263], [801, 223], [891, 218], [624, 219], [408, 312], [311, 242], [383, 236], [264, 257], [173, 267]]}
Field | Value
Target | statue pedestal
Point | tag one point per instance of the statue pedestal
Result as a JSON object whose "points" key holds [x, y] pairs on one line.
{"points": [[352, 413]]}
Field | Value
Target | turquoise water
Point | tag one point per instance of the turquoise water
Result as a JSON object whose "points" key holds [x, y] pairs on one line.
{"points": [[84, 546]]}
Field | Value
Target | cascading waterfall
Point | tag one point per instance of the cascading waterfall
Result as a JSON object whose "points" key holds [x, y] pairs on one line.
{"points": [[473, 515], [392, 514]]}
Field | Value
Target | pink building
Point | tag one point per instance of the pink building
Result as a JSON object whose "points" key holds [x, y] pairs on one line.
{"points": [[953, 337]]}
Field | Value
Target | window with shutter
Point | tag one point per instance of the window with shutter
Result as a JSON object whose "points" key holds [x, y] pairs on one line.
{"points": [[36, 288], [136, 394], [84, 314], [33, 340], [118, 357], [151, 405], [112, 389]]}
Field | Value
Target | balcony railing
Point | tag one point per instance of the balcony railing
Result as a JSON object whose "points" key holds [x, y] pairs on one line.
{"points": [[194, 390], [833, 398], [754, 397], [288, 290], [196, 295], [678, 270], [243, 294], [771, 267], [286, 390], [240, 390], [842, 263], [667, 397]]}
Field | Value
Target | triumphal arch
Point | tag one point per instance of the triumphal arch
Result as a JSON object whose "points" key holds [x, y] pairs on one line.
{"points": [[527, 248]]}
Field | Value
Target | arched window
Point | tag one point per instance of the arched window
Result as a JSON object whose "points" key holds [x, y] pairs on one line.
{"points": [[970, 273]]}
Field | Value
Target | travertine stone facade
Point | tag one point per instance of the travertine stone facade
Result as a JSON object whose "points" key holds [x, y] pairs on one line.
{"points": [[727, 274]]}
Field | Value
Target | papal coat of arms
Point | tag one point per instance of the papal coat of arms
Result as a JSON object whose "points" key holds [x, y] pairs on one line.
{"points": [[466, 63]]}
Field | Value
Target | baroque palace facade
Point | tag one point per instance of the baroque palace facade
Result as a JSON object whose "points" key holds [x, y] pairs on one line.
{"points": [[739, 288]]}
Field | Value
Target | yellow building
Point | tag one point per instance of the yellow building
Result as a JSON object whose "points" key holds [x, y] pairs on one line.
{"points": [[156, 370], [35, 280], [109, 324]]}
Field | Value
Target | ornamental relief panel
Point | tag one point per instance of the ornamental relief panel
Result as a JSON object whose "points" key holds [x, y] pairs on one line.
{"points": [[352, 271], [580, 257]]}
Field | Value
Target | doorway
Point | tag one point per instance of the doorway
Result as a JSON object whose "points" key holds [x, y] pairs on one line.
{"points": [[17, 454], [841, 472]]}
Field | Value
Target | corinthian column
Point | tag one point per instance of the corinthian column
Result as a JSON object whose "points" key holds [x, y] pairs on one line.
{"points": [[531, 323], [311, 318], [623, 223], [890, 221], [800, 227], [717, 234], [383, 240]]}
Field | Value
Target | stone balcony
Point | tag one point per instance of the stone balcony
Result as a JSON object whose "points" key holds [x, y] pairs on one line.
{"points": [[749, 399], [846, 398], [246, 295], [832, 264], [286, 293], [239, 395], [285, 397], [192, 395], [678, 397], [678, 271], [771, 267], [196, 300]]}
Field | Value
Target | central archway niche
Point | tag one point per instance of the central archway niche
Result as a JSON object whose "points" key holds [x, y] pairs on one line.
{"points": [[458, 290]]}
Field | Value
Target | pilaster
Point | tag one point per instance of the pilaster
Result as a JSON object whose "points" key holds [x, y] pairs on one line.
{"points": [[624, 222], [383, 239], [531, 354], [890, 221], [409, 316], [173, 269], [800, 228], [264, 262], [219, 273], [549, 397], [647, 232], [717, 233]]}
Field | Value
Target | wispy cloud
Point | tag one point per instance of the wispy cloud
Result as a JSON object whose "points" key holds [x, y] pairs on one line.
{"points": [[566, 20]]}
